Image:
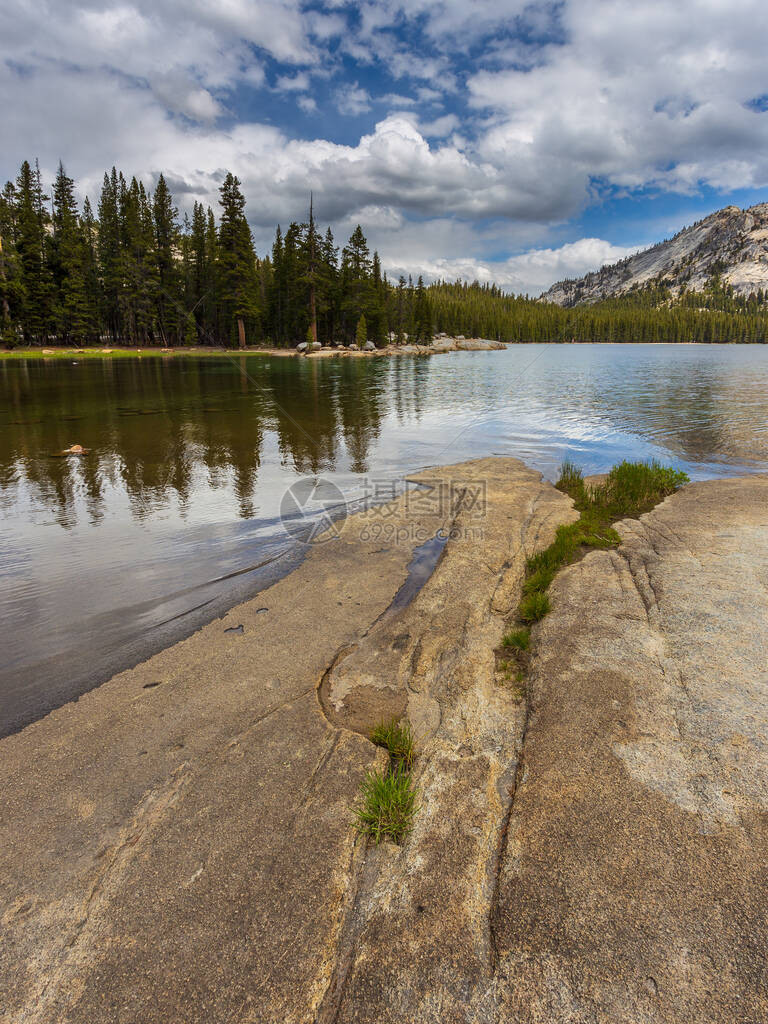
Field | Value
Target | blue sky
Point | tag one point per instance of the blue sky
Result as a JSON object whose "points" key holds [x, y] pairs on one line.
{"points": [[502, 140]]}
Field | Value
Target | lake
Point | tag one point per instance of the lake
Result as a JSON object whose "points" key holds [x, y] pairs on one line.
{"points": [[174, 515]]}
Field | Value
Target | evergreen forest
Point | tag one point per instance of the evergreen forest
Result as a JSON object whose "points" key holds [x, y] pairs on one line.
{"points": [[134, 272]]}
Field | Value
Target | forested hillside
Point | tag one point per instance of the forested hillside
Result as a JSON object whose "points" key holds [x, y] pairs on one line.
{"points": [[133, 272], [646, 315]]}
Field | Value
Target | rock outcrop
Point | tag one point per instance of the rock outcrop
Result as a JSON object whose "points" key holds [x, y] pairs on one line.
{"points": [[176, 846], [633, 884], [442, 343], [732, 243]]}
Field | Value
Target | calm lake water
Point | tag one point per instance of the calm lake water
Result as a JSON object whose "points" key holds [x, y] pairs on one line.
{"points": [[174, 515]]}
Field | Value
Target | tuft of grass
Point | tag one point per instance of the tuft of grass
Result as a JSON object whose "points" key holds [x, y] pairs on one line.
{"points": [[396, 736], [632, 488], [571, 479], [595, 531], [534, 607], [539, 580], [519, 688], [519, 639], [387, 806], [562, 550]]}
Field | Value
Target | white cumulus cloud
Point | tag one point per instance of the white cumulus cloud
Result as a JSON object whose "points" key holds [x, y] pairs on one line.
{"points": [[530, 272], [559, 104]]}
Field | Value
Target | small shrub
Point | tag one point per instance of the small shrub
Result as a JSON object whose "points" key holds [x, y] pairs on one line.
{"points": [[397, 737], [387, 806], [520, 639], [534, 607]]}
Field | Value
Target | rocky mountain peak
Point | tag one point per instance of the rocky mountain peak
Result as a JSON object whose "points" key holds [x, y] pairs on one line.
{"points": [[731, 243]]}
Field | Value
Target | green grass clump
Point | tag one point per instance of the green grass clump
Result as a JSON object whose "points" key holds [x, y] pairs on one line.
{"points": [[534, 607], [519, 639], [595, 531], [387, 798], [397, 737], [632, 488], [387, 806], [539, 580], [571, 480]]}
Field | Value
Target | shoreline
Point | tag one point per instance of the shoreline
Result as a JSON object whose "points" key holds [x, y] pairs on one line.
{"points": [[200, 802], [468, 345], [438, 347], [168, 635], [164, 638]]}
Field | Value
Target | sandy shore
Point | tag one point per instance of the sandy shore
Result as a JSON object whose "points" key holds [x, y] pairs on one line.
{"points": [[176, 845]]}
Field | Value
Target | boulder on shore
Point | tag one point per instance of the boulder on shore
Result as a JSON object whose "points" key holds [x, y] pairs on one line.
{"points": [[479, 345]]}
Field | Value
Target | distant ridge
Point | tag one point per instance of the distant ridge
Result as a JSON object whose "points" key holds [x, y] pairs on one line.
{"points": [[731, 243]]}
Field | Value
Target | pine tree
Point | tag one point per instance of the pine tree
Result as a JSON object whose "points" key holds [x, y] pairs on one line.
{"points": [[186, 300], [400, 304], [36, 285], [10, 284], [237, 263], [295, 311], [422, 315], [109, 255], [312, 246], [166, 227], [138, 264], [88, 236], [210, 303], [356, 280], [375, 315], [410, 311], [198, 299], [71, 267], [276, 319], [328, 288], [361, 332]]}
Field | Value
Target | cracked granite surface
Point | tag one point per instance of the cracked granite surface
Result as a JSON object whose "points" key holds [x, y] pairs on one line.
{"points": [[175, 846]]}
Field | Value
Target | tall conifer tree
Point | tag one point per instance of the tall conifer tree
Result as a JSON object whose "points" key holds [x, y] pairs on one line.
{"points": [[237, 263], [36, 284], [165, 216]]}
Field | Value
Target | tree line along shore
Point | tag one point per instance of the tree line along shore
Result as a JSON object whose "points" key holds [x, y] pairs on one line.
{"points": [[135, 273]]}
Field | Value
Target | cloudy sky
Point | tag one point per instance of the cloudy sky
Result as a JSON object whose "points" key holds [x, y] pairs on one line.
{"points": [[495, 139]]}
